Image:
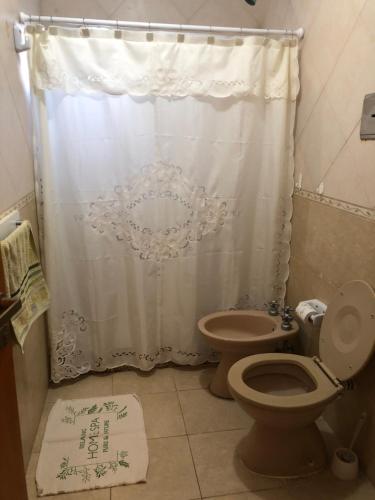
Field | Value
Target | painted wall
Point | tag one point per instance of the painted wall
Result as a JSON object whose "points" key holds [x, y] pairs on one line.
{"points": [[17, 187], [333, 235]]}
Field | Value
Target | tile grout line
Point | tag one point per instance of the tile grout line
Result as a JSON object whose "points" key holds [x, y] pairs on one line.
{"points": [[346, 41], [336, 157], [188, 440]]}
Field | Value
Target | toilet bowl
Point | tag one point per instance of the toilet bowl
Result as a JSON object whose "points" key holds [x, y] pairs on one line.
{"points": [[237, 334], [286, 393]]}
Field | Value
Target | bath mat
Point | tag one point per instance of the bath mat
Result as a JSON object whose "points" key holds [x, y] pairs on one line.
{"points": [[93, 443]]}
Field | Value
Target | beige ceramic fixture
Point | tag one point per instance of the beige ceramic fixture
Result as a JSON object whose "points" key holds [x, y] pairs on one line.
{"points": [[286, 393], [236, 334]]}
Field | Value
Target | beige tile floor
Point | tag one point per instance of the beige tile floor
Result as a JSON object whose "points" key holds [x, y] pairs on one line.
{"points": [[192, 441]]}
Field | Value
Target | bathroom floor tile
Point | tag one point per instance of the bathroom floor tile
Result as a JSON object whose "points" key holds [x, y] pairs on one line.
{"points": [[327, 486], [219, 468], [204, 412], [275, 494], [90, 386], [189, 377], [100, 494], [137, 382], [42, 427], [170, 475], [162, 414]]}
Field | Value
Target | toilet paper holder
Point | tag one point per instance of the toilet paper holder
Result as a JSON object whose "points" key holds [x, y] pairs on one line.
{"points": [[312, 310]]}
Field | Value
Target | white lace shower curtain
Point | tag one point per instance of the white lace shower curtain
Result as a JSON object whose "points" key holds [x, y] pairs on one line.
{"points": [[164, 182]]}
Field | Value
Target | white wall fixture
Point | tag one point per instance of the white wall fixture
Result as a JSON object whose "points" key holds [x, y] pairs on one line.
{"points": [[21, 41], [8, 224], [312, 311]]}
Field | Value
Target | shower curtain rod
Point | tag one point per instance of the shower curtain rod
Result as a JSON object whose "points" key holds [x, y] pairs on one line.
{"points": [[82, 21]]}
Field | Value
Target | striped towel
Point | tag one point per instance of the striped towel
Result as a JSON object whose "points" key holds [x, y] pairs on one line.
{"points": [[23, 279]]}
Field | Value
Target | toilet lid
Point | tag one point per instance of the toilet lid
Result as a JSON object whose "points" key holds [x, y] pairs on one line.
{"points": [[347, 336]]}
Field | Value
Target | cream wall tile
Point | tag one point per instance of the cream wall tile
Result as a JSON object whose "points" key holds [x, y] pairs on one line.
{"points": [[42, 427], [149, 10], [7, 186], [319, 144], [330, 247], [259, 12], [211, 12], [31, 374], [327, 35], [217, 13], [352, 77], [276, 15], [350, 178], [311, 88], [73, 8], [15, 134], [336, 72], [188, 9], [303, 12], [109, 6], [31, 368], [15, 74]]}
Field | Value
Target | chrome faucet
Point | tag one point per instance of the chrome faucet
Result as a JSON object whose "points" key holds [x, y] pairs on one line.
{"points": [[273, 308], [287, 318]]}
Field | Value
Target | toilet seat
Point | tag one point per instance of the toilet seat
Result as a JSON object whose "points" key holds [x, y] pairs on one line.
{"points": [[347, 336], [325, 389]]}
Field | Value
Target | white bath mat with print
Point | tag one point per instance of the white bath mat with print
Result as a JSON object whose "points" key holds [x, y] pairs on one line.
{"points": [[93, 443]]}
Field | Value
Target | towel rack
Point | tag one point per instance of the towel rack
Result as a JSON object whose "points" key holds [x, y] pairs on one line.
{"points": [[9, 223]]}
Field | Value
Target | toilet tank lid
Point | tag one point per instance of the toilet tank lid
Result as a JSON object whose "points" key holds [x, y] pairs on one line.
{"points": [[347, 336]]}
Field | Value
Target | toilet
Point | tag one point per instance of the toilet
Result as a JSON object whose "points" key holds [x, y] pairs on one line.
{"points": [[286, 393], [237, 334]]}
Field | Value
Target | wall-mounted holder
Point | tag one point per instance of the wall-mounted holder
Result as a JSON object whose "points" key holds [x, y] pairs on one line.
{"points": [[368, 118], [21, 40], [311, 311]]}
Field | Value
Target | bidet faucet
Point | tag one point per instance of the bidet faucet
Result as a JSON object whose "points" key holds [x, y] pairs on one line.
{"points": [[273, 308], [287, 318]]}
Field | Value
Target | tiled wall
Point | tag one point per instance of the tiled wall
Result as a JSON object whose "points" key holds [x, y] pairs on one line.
{"points": [[333, 236], [336, 73], [17, 184], [211, 12]]}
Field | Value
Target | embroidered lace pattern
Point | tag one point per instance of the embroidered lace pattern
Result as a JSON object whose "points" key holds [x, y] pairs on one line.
{"points": [[197, 213]]}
